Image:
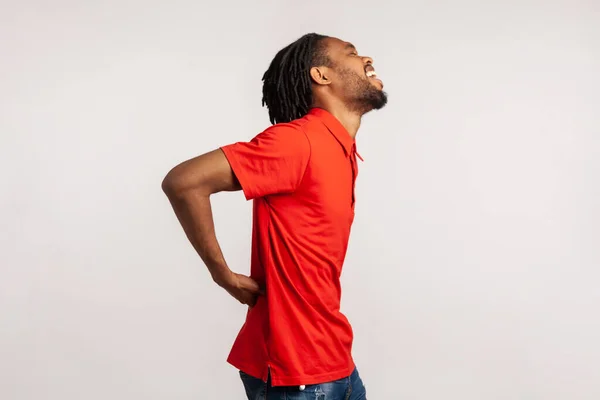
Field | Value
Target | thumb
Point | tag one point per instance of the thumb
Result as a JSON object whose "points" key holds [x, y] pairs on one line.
{"points": [[261, 289], [252, 286]]}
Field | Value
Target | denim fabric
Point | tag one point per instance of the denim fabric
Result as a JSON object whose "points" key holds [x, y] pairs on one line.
{"points": [[350, 388]]}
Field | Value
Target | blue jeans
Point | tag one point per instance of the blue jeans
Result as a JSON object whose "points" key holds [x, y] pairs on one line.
{"points": [[349, 388]]}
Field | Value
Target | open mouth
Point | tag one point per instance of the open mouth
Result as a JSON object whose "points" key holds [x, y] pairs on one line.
{"points": [[371, 74]]}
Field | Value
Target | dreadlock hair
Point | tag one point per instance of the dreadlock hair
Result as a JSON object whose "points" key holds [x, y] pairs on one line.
{"points": [[287, 85]]}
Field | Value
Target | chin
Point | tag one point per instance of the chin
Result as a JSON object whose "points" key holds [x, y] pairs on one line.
{"points": [[380, 101], [371, 98]]}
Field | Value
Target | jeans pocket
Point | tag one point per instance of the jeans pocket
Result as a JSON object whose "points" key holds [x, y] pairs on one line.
{"points": [[255, 388], [337, 389]]}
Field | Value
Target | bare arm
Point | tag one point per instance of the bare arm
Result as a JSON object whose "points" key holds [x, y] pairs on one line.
{"points": [[188, 187]]}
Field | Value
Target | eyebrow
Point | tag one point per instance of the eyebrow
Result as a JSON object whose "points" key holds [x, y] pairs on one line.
{"points": [[350, 46]]}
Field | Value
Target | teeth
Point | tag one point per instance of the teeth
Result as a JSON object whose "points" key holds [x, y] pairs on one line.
{"points": [[371, 74]]}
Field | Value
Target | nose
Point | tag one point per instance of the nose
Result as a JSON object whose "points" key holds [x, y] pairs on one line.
{"points": [[367, 60]]}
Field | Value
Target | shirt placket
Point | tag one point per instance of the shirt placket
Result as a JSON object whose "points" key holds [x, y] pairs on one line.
{"points": [[354, 165]]}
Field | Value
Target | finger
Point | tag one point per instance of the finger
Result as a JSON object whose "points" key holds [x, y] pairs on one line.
{"points": [[251, 285], [251, 301]]}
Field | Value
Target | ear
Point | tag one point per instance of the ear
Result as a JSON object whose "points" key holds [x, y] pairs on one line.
{"points": [[320, 75]]}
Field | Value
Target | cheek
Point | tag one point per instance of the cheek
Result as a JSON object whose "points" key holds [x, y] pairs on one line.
{"points": [[354, 74], [349, 80], [355, 66]]}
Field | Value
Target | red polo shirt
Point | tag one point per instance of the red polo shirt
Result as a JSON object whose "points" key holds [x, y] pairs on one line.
{"points": [[301, 178]]}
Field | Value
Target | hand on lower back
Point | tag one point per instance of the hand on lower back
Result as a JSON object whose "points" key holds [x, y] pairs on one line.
{"points": [[245, 289]]}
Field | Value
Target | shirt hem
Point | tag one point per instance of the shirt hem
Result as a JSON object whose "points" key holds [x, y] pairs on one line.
{"points": [[296, 380]]}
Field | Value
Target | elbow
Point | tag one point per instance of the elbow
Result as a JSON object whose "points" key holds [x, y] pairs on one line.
{"points": [[170, 186], [179, 184]]}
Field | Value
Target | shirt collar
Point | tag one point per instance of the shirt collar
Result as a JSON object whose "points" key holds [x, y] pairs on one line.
{"points": [[337, 130]]}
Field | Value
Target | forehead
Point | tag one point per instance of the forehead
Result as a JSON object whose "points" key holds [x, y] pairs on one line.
{"points": [[335, 45]]}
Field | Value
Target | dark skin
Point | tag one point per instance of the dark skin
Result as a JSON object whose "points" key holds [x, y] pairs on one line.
{"points": [[329, 86], [190, 184]]}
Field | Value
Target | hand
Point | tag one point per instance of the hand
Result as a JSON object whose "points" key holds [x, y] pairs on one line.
{"points": [[245, 289]]}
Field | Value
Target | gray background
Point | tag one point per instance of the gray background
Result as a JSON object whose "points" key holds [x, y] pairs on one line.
{"points": [[473, 264]]}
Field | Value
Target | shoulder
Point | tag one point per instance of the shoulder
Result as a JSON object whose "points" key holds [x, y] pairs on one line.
{"points": [[309, 125], [291, 134], [295, 128]]}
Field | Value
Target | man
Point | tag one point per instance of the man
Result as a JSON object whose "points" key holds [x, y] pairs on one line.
{"points": [[300, 174]]}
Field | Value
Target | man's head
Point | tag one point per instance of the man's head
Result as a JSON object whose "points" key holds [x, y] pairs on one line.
{"points": [[317, 70]]}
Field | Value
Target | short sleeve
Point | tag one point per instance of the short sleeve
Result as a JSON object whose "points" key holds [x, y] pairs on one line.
{"points": [[273, 162]]}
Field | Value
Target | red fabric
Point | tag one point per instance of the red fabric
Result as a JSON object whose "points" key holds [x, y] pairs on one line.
{"points": [[301, 178]]}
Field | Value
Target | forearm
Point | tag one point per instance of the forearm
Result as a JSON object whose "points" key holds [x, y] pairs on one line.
{"points": [[194, 212]]}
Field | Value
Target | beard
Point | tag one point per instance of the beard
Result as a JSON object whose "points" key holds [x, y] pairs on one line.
{"points": [[361, 95]]}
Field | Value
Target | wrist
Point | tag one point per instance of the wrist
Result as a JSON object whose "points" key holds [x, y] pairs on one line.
{"points": [[221, 276]]}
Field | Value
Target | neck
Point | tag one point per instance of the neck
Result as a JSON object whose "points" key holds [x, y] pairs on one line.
{"points": [[348, 118]]}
